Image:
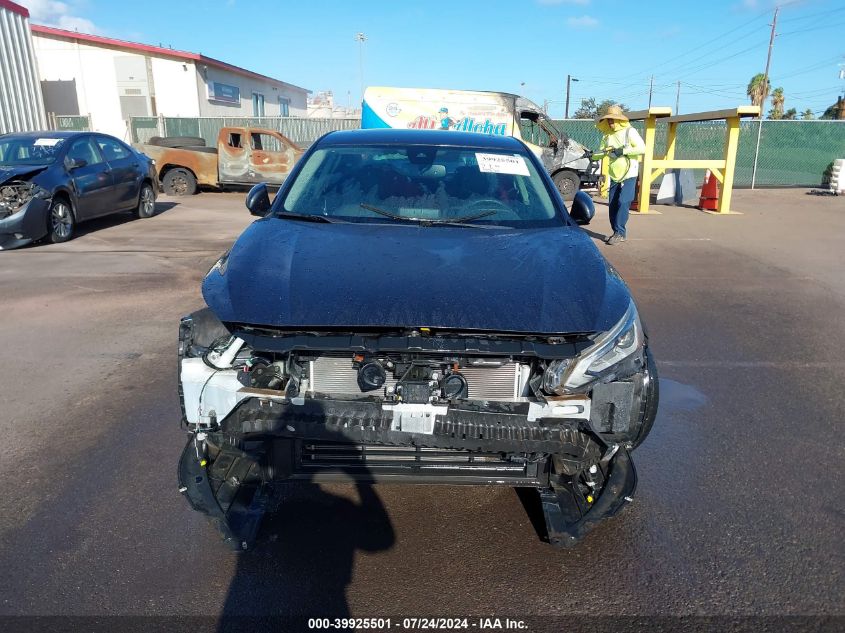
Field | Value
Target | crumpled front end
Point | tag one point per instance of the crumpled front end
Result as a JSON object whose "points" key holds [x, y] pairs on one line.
{"points": [[267, 407], [24, 209]]}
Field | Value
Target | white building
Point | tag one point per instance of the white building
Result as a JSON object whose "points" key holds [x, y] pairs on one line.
{"points": [[112, 80], [20, 92], [322, 105]]}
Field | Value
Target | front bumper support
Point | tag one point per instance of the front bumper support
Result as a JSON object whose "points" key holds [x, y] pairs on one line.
{"points": [[569, 517], [234, 485], [29, 222]]}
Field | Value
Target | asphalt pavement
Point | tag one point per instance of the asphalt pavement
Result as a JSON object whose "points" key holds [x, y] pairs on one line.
{"points": [[739, 509]]}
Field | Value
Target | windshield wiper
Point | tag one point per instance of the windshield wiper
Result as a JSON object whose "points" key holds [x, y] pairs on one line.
{"points": [[429, 222], [306, 218]]}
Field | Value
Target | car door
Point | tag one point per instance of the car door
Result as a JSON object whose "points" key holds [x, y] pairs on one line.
{"points": [[125, 171], [270, 158], [232, 156], [90, 178]]}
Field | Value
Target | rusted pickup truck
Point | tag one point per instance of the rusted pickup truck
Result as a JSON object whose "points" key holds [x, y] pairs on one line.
{"points": [[243, 156]]}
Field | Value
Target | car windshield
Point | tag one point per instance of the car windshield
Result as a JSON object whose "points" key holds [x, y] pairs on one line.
{"points": [[29, 150], [428, 184]]}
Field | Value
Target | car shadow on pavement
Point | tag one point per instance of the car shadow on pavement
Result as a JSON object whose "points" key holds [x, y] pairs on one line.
{"points": [[304, 556], [117, 219]]}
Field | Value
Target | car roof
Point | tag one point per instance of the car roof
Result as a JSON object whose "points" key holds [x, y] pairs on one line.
{"points": [[449, 138]]}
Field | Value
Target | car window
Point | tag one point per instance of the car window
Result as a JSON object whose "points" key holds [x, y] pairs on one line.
{"points": [[28, 150], [84, 149], [422, 182], [533, 131], [267, 143], [112, 149]]}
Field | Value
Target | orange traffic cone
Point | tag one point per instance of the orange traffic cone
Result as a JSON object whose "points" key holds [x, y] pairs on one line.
{"points": [[709, 200], [635, 205]]}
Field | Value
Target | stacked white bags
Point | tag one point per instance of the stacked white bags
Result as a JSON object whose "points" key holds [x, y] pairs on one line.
{"points": [[837, 178]]}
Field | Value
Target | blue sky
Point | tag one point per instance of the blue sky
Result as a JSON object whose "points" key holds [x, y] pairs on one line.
{"points": [[524, 46]]}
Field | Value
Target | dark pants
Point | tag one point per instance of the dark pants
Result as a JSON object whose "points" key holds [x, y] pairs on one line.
{"points": [[619, 199]]}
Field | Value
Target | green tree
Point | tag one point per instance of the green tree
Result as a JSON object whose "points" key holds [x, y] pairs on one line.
{"points": [[807, 115], [833, 111], [758, 89], [777, 104], [589, 109], [790, 114], [605, 105]]}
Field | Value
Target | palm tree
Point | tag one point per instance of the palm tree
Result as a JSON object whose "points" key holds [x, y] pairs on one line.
{"points": [[777, 104], [807, 115], [758, 89]]}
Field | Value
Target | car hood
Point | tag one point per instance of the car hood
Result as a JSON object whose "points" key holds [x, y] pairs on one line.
{"points": [[292, 274], [19, 172]]}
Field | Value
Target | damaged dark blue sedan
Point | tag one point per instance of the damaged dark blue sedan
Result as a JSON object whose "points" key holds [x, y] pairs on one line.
{"points": [[415, 307], [52, 181]]}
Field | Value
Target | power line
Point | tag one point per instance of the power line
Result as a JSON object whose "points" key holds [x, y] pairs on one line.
{"points": [[804, 71], [811, 15], [755, 46], [813, 28], [707, 43]]}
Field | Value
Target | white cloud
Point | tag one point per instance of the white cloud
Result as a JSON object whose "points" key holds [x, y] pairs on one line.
{"points": [[58, 14], [584, 22], [581, 2]]}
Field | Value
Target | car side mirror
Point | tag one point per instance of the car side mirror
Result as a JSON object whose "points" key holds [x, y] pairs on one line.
{"points": [[258, 200], [582, 209], [76, 163]]}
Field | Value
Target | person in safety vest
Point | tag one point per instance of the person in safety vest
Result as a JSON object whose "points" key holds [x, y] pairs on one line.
{"points": [[623, 146]]}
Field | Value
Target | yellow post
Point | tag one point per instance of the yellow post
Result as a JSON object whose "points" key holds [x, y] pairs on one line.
{"points": [[671, 136], [649, 118], [731, 144]]}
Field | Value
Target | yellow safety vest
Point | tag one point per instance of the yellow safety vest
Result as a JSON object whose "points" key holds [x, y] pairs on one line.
{"points": [[633, 146]]}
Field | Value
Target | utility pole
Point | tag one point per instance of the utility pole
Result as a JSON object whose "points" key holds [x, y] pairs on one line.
{"points": [[678, 99], [650, 90], [569, 79], [762, 105], [361, 38]]}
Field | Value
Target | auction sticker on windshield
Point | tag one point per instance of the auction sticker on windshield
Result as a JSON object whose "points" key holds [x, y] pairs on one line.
{"points": [[49, 142], [501, 164]]}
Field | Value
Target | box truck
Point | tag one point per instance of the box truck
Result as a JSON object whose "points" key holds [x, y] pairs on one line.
{"points": [[497, 113]]}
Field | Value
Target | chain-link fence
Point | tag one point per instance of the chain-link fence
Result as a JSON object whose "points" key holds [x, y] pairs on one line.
{"points": [[792, 153], [301, 131], [69, 122]]}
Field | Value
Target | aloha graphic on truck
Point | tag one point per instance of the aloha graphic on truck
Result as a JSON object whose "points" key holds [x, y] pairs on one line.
{"points": [[467, 124]]}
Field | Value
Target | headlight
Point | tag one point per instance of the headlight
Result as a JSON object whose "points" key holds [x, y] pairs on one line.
{"points": [[620, 342]]}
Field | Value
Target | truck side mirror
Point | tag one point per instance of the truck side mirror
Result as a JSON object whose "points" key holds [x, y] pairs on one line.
{"points": [[258, 200]]}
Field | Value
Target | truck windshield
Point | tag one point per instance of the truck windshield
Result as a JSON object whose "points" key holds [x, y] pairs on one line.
{"points": [[422, 182], [29, 150]]}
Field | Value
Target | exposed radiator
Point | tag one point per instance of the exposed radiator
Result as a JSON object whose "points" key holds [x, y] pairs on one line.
{"points": [[333, 374]]}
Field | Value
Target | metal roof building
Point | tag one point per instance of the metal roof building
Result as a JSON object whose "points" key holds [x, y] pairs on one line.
{"points": [[21, 104]]}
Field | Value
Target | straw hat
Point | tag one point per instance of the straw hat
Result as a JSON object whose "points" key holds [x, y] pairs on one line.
{"points": [[613, 112]]}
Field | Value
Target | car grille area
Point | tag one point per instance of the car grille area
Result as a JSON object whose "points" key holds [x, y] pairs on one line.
{"points": [[329, 461], [337, 375]]}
